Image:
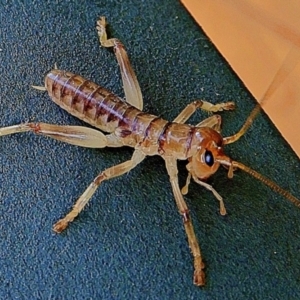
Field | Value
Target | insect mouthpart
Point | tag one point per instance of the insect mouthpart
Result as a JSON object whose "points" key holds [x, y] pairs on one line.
{"points": [[226, 162]]}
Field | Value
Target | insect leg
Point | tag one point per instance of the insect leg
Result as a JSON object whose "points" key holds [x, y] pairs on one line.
{"points": [[213, 122], [131, 86], [75, 135], [199, 276], [109, 173], [192, 107]]}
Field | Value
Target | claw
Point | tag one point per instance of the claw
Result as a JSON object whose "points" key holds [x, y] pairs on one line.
{"points": [[102, 21], [60, 226], [199, 278]]}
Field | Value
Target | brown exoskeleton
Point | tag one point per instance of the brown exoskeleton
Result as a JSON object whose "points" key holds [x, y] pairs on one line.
{"points": [[202, 145]]}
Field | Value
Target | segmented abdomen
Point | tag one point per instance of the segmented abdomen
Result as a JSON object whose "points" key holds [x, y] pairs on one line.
{"points": [[86, 100], [106, 111]]}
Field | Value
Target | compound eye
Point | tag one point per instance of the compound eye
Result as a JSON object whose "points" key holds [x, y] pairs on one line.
{"points": [[209, 158]]}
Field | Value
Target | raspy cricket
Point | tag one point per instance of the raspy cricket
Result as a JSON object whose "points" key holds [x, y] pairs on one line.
{"points": [[125, 122]]}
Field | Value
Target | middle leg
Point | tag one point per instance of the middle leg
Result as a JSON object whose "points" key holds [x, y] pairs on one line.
{"points": [[192, 107], [107, 174], [131, 86]]}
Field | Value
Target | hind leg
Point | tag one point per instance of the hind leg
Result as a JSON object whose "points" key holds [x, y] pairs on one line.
{"points": [[75, 135]]}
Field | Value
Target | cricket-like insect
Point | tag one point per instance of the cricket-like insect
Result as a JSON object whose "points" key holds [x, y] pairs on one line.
{"points": [[127, 125]]}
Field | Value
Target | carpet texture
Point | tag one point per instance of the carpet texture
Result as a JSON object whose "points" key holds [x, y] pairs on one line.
{"points": [[129, 243]]}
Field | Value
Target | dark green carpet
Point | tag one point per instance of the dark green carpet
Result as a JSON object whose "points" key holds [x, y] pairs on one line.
{"points": [[130, 243]]}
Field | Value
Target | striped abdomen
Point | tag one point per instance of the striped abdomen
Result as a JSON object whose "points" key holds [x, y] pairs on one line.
{"points": [[86, 100], [106, 111]]}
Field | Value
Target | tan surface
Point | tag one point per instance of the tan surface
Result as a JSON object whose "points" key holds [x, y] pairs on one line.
{"points": [[255, 37]]}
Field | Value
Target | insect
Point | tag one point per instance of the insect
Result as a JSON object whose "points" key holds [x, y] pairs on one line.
{"points": [[127, 125]]}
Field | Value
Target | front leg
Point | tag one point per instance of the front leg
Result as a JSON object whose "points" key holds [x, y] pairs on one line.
{"points": [[199, 276]]}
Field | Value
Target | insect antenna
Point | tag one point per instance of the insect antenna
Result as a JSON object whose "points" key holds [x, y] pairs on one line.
{"points": [[267, 182], [286, 68], [232, 165]]}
